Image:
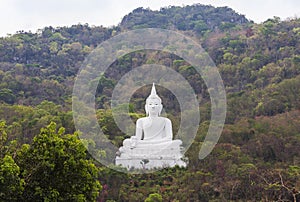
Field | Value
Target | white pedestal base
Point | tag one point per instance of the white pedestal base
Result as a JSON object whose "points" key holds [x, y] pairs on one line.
{"points": [[153, 156], [148, 163]]}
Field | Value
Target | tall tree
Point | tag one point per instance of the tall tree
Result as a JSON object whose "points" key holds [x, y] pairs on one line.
{"points": [[55, 168]]}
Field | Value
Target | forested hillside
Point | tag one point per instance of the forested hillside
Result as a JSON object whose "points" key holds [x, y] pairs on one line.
{"points": [[256, 159]]}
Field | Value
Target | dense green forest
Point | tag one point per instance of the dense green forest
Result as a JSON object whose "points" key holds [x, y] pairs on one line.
{"points": [[256, 159]]}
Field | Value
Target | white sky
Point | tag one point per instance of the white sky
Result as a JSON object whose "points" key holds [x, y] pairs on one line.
{"points": [[16, 15]]}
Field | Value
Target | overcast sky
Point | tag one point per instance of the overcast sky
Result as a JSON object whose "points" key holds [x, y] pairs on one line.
{"points": [[16, 15]]}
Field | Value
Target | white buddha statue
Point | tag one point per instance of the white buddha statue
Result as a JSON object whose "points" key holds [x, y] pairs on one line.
{"points": [[153, 139]]}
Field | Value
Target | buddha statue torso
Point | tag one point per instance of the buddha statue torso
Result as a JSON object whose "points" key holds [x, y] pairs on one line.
{"points": [[154, 129]]}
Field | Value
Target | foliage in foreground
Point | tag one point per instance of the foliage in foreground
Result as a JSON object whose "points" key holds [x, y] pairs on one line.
{"points": [[54, 167]]}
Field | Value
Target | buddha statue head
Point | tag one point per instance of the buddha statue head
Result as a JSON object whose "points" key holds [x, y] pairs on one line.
{"points": [[153, 105]]}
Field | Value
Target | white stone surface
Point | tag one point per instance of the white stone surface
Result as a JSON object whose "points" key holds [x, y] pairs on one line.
{"points": [[153, 145]]}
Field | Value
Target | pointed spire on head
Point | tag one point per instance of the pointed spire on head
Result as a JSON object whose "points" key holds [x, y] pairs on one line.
{"points": [[153, 90], [153, 94]]}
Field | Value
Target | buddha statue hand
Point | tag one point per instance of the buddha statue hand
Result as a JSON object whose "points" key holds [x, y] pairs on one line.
{"points": [[130, 142], [133, 141]]}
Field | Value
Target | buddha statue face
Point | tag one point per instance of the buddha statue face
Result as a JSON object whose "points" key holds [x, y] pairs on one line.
{"points": [[153, 106]]}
